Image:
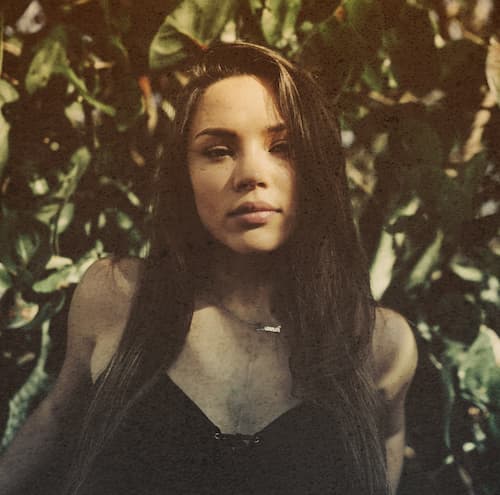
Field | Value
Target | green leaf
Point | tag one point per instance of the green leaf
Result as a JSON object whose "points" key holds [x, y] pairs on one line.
{"points": [[493, 67], [37, 384], [46, 311], [67, 273], [278, 21], [410, 44], [8, 94], [128, 102], [430, 257], [366, 19], [79, 163], [463, 269], [382, 266], [317, 10], [194, 24], [417, 142], [471, 177], [333, 50], [75, 114], [5, 280], [81, 87], [49, 57], [56, 262], [479, 371], [21, 313], [256, 6]]}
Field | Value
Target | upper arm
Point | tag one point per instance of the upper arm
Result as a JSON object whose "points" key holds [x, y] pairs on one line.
{"points": [[395, 352], [98, 312]]}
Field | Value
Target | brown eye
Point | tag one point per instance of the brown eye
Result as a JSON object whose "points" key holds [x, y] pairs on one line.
{"points": [[217, 152], [281, 148]]}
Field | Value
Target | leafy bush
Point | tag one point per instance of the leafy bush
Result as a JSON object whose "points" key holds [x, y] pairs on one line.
{"points": [[85, 102]]}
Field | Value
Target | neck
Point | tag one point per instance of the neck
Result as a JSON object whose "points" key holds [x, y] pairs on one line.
{"points": [[242, 282]]}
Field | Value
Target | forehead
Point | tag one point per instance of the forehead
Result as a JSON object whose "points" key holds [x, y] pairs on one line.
{"points": [[236, 102]]}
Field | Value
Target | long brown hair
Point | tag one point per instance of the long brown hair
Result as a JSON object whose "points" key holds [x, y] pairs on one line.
{"points": [[322, 292]]}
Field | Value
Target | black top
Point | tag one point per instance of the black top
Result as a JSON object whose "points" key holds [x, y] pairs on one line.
{"points": [[167, 445]]}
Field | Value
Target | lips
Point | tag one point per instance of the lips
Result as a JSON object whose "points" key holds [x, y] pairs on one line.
{"points": [[251, 215], [253, 207]]}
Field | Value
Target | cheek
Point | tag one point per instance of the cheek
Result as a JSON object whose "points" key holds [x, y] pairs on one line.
{"points": [[206, 190]]}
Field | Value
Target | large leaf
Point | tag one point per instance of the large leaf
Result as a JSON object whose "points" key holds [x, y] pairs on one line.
{"points": [[56, 215], [67, 274], [278, 21], [415, 141], [7, 94], [333, 51], [410, 44], [317, 10], [46, 311], [80, 85], [382, 266], [24, 245], [479, 371], [79, 162], [366, 19], [193, 24], [37, 384], [426, 263], [5, 280], [49, 58]]}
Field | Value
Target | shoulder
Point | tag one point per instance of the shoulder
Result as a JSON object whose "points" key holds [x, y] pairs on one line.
{"points": [[103, 296], [97, 315], [395, 353]]}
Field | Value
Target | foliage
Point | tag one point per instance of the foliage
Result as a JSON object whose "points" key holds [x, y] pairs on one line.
{"points": [[85, 98]]}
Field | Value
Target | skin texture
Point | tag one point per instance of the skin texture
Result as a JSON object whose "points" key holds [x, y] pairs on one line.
{"points": [[238, 153]]}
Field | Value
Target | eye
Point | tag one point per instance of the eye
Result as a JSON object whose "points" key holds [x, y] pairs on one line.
{"points": [[281, 148], [217, 152]]}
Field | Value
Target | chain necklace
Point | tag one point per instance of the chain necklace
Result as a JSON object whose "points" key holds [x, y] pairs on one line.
{"points": [[257, 325]]}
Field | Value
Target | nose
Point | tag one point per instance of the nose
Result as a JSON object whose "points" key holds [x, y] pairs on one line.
{"points": [[251, 169]]}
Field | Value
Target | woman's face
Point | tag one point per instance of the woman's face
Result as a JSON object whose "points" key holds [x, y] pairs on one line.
{"points": [[242, 176]]}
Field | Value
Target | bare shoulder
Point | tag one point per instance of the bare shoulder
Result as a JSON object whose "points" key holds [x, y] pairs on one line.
{"points": [[395, 353], [97, 316], [104, 292], [99, 311]]}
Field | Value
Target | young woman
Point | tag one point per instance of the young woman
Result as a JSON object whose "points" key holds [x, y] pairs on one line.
{"points": [[245, 355]]}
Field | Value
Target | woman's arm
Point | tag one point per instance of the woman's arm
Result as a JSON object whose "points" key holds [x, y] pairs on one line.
{"points": [[395, 353], [97, 311]]}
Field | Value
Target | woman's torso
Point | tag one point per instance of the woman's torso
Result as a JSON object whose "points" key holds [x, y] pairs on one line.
{"points": [[183, 436], [167, 445]]}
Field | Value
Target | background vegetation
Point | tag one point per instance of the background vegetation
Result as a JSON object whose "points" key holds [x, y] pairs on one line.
{"points": [[84, 99]]}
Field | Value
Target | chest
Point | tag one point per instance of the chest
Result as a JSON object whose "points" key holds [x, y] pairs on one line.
{"points": [[240, 380]]}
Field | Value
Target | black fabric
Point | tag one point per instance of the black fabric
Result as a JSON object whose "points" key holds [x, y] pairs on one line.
{"points": [[167, 445]]}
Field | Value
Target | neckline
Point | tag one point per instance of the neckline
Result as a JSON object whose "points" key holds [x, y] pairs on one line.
{"points": [[272, 424]]}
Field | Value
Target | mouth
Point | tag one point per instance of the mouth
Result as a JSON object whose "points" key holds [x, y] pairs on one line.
{"points": [[253, 207], [254, 214]]}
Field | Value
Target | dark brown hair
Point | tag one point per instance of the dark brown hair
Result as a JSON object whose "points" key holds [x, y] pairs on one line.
{"points": [[322, 293]]}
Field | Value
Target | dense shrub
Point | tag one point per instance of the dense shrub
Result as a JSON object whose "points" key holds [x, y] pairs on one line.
{"points": [[85, 94]]}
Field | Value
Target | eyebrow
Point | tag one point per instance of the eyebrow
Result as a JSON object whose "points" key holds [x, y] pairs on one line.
{"points": [[221, 132]]}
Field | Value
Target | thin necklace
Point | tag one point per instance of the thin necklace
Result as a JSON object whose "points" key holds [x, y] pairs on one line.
{"points": [[257, 325]]}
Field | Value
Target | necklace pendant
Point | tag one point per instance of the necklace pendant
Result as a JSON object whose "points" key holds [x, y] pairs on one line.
{"points": [[269, 328]]}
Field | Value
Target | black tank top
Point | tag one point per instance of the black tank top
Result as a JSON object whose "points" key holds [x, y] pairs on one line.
{"points": [[166, 445]]}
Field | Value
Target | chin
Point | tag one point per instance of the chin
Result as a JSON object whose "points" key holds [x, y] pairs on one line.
{"points": [[254, 246]]}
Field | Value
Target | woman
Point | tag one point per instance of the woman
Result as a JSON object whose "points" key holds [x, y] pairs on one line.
{"points": [[245, 355]]}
